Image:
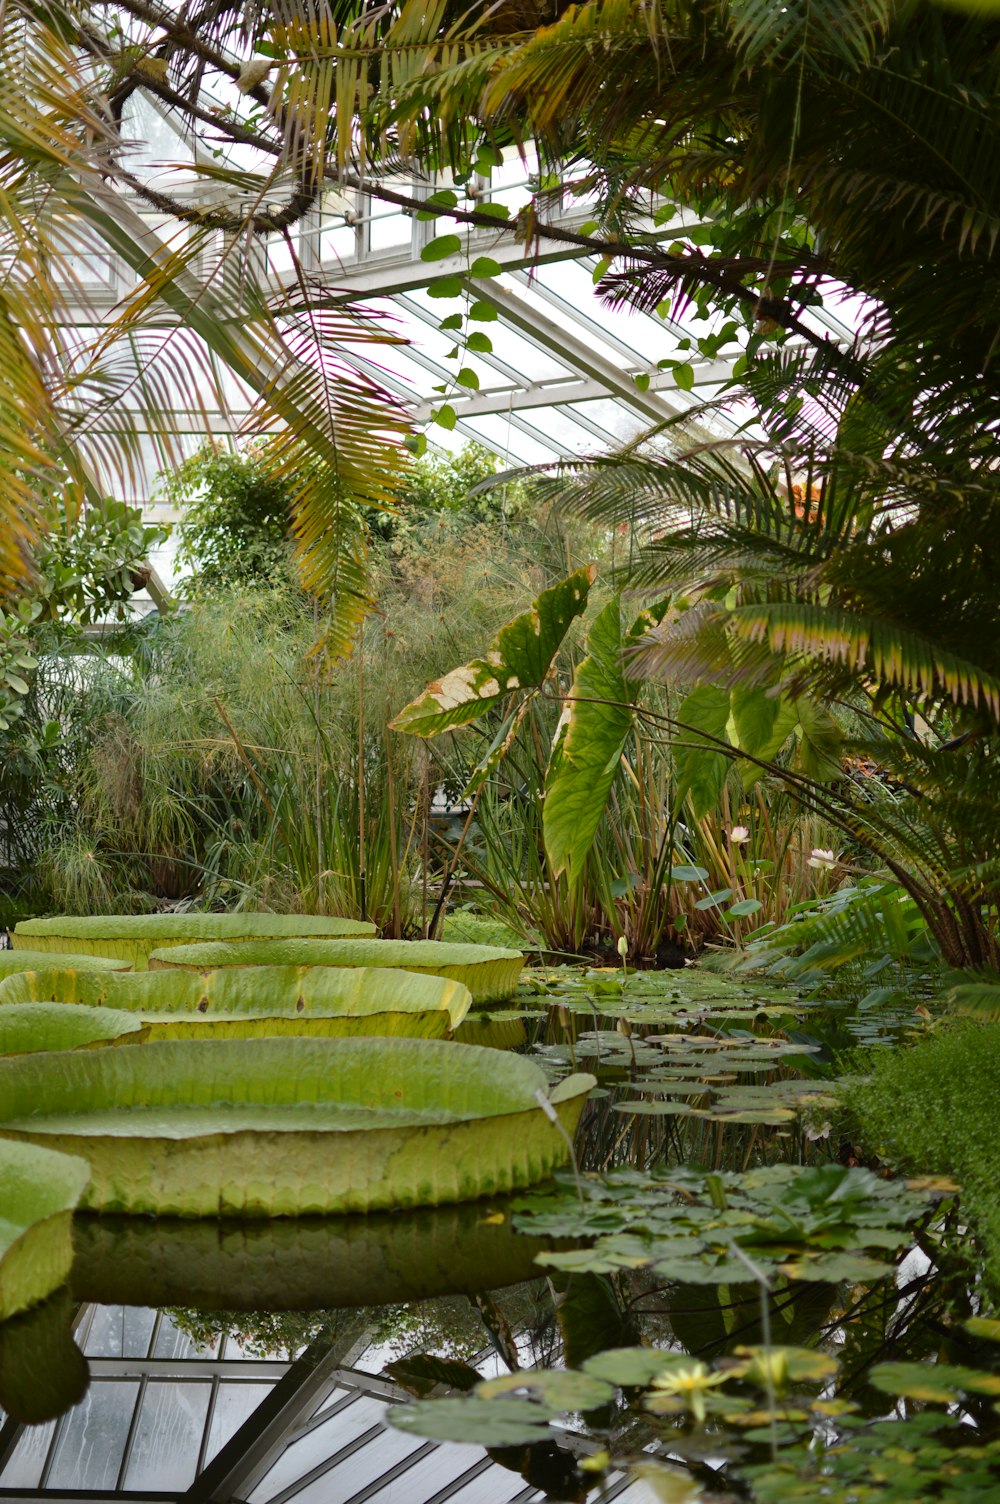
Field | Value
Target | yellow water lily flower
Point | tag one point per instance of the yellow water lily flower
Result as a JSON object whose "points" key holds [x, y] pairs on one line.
{"points": [[689, 1383]]}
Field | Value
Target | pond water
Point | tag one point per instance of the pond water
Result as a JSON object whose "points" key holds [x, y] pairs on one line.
{"points": [[719, 1303]]}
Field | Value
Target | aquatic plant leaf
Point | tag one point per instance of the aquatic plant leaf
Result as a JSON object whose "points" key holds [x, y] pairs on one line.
{"points": [[589, 739], [239, 1002], [38, 1191], [700, 768], [130, 937], [292, 1126], [501, 1422], [42, 1371], [489, 973], [654, 1109], [938, 1383], [518, 660], [687, 1225], [17, 960], [628, 1367], [563, 1389], [26, 1027], [419, 1373]]}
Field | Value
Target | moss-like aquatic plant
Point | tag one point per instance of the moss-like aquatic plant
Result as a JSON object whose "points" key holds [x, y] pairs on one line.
{"points": [[931, 1110], [237, 1002], [489, 973], [38, 1191], [131, 937], [292, 1126]]}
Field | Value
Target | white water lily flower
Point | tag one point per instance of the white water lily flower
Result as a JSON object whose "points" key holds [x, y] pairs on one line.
{"points": [[821, 858], [622, 946], [739, 834]]}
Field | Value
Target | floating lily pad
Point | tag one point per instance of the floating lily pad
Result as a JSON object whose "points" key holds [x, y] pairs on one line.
{"points": [[489, 973], [291, 1126], [236, 1002], [14, 961], [38, 1191], [27, 1027], [131, 937]]}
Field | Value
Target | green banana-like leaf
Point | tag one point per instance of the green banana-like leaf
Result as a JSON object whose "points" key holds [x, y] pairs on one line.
{"points": [[288, 1127], [750, 721], [13, 961], [237, 1002], [300, 1263], [26, 1027], [590, 739], [131, 937], [518, 660], [489, 973], [701, 769], [38, 1191]]}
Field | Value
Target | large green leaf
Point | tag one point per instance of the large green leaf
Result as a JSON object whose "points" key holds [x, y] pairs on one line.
{"points": [[489, 973], [589, 741], [243, 1002], [519, 659], [131, 937], [26, 1027], [292, 1126], [13, 961], [700, 767], [38, 1191]]}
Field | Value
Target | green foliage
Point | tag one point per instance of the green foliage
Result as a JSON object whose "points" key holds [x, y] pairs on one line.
{"points": [[932, 1109], [820, 1224], [517, 663], [235, 528]]}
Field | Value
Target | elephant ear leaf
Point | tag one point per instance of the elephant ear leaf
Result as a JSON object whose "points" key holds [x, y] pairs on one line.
{"points": [[519, 659], [590, 739]]}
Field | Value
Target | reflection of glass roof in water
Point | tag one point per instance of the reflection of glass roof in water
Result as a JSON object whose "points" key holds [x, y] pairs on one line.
{"points": [[167, 1418]]}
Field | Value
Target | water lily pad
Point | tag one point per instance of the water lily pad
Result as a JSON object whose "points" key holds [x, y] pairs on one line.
{"points": [[291, 1126], [489, 973], [38, 1191], [131, 937], [562, 1389], [937, 1383], [27, 1027]]}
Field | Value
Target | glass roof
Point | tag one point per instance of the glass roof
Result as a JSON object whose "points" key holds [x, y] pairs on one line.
{"points": [[167, 1417]]}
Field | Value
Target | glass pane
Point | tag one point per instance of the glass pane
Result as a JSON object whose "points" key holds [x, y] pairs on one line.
{"points": [[120, 1332], [89, 1452], [171, 1342], [316, 1446], [168, 1437], [429, 1476], [24, 1466], [362, 1468], [234, 1403]]}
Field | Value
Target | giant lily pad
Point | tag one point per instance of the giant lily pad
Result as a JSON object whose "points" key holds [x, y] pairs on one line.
{"points": [[38, 1191], [489, 973], [237, 1002], [131, 937], [13, 961], [27, 1027], [291, 1126]]}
